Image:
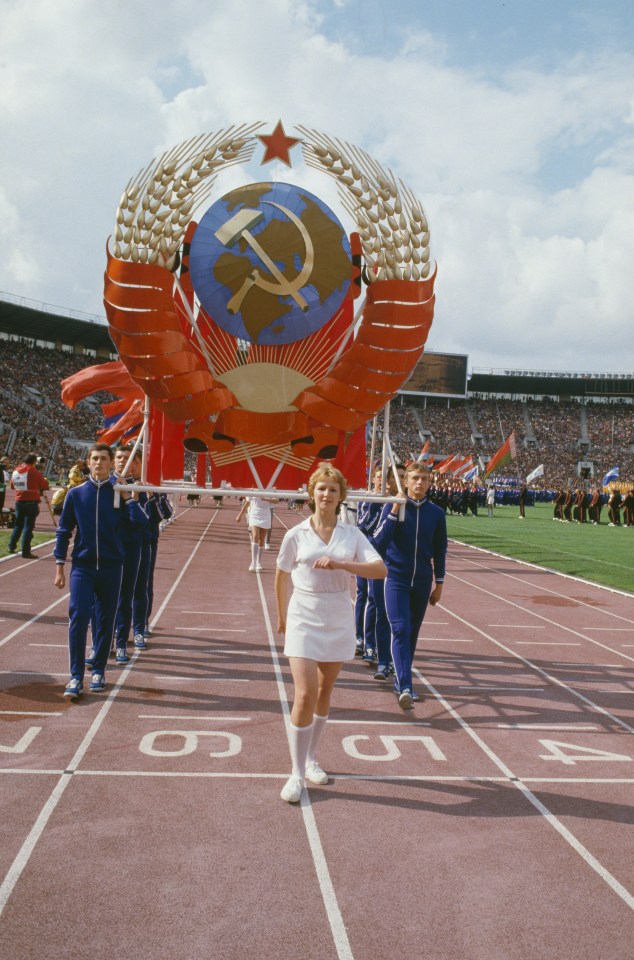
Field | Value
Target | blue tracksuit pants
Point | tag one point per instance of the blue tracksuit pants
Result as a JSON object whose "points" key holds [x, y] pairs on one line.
{"points": [[141, 599], [93, 592], [405, 605], [382, 634], [359, 607], [131, 563]]}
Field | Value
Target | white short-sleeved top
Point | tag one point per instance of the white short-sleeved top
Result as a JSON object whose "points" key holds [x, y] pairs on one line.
{"points": [[301, 546]]}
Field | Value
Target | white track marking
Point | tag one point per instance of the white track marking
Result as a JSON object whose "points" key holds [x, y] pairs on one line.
{"points": [[202, 676], [209, 629], [548, 726], [548, 643], [22, 858], [183, 716], [213, 613], [483, 686], [365, 777], [31, 713], [520, 785], [34, 619], [337, 926]]}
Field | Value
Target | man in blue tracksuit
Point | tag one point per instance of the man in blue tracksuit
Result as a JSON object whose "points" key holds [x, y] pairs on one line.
{"points": [[158, 510], [414, 552], [135, 538], [98, 516]]}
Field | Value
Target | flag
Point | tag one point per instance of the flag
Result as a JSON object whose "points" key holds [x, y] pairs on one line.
{"points": [[423, 454], [611, 475], [444, 465], [537, 472], [471, 475], [461, 466], [507, 452], [113, 377]]}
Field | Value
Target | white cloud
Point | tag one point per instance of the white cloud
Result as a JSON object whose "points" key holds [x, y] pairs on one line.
{"points": [[527, 271]]}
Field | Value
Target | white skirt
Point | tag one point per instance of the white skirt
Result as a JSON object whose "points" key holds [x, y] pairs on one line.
{"points": [[320, 626], [259, 517]]}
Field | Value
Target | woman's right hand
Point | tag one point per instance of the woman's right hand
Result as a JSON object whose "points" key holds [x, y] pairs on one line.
{"points": [[281, 625]]}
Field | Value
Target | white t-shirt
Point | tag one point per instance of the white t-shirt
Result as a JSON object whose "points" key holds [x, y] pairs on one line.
{"points": [[301, 546]]}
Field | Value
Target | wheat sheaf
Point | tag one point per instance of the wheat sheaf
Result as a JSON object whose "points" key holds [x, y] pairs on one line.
{"points": [[157, 204], [392, 225]]}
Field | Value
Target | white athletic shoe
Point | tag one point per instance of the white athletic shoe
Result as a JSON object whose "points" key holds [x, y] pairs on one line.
{"points": [[251, 567], [258, 567], [314, 772], [292, 790]]}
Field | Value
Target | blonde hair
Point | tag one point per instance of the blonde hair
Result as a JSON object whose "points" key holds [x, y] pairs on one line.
{"points": [[326, 471]]}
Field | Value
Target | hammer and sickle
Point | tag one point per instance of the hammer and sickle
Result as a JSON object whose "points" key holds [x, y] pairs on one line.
{"points": [[239, 227]]}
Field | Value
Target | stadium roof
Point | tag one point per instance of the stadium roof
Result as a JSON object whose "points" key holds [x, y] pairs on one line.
{"points": [[22, 317]]}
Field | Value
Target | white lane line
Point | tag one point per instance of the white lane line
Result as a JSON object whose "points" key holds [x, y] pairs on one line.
{"points": [[202, 677], [516, 626], [383, 723], [611, 629], [482, 686], [33, 673], [550, 818], [547, 726], [185, 716], [476, 663], [443, 639], [364, 777], [14, 603], [213, 613], [548, 643], [31, 713], [34, 619], [210, 629], [329, 897], [63, 645], [24, 853]]}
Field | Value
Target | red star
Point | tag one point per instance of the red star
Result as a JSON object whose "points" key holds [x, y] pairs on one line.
{"points": [[277, 145]]}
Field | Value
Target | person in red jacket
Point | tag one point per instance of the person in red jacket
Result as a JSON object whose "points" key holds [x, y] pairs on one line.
{"points": [[29, 484]]}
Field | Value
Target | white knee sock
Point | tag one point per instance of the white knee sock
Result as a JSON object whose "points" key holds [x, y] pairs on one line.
{"points": [[258, 550], [318, 728], [299, 738], [254, 548]]}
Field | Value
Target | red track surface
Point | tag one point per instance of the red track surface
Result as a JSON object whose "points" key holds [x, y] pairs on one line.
{"points": [[493, 821]]}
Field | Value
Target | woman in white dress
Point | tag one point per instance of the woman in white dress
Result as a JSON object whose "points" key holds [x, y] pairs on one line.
{"points": [[319, 555], [260, 519]]}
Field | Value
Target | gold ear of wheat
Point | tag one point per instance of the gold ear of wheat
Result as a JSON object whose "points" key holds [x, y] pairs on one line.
{"points": [[387, 214], [158, 203]]}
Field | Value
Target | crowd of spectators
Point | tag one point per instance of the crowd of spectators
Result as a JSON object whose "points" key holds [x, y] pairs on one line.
{"points": [[558, 434], [30, 405]]}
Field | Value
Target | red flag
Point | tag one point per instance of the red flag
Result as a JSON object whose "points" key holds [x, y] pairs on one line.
{"points": [[425, 450], [126, 422], [112, 377], [507, 451], [444, 465], [462, 468]]}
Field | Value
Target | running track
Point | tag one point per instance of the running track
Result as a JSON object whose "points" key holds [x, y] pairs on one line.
{"points": [[493, 821]]}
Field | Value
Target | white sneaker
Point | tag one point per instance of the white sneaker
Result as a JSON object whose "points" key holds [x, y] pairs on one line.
{"points": [[314, 772], [292, 789], [258, 567], [251, 567], [267, 546]]}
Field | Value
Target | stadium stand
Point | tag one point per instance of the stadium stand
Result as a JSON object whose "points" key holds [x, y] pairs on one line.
{"points": [[578, 425]]}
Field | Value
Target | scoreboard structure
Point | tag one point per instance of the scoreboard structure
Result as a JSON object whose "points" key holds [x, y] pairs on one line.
{"points": [[438, 375]]}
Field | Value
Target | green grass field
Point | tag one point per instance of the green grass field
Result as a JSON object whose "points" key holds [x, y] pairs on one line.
{"points": [[602, 554]]}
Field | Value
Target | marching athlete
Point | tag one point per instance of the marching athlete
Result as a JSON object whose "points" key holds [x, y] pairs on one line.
{"points": [[318, 555], [414, 551], [91, 511]]}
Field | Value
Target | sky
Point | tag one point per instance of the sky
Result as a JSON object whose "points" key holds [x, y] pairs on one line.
{"points": [[512, 123]]}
